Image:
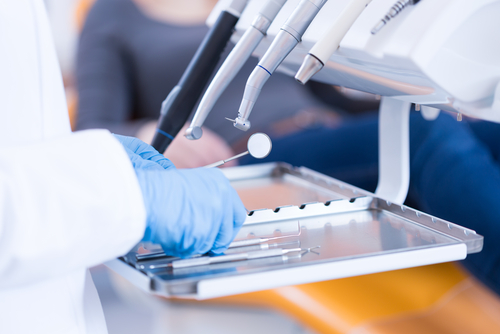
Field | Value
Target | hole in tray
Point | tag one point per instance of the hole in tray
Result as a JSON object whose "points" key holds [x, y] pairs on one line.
{"points": [[403, 208], [450, 226], [417, 213], [302, 206], [388, 203], [277, 210], [327, 203], [433, 220], [352, 200], [466, 232], [251, 213]]}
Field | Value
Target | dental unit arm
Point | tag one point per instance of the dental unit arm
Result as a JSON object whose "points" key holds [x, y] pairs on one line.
{"points": [[439, 55]]}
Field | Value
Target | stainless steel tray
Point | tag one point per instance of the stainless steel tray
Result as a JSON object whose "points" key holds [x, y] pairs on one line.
{"points": [[357, 232]]}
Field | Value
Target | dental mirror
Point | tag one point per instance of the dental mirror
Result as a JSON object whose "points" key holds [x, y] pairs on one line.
{"points": [[259, 146]]}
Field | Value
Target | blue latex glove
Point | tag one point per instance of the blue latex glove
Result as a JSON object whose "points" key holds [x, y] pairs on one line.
{"points": [[143, 151], [189, 211]]}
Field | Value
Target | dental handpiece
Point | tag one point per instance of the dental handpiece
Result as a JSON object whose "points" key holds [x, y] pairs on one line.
{"points": [[329, 43], [179, 104], [392, 13], [233, 64], [285, 41]]}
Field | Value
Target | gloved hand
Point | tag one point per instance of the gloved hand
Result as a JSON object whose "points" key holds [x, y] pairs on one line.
{"points": [[189, 211], [143, 151]]}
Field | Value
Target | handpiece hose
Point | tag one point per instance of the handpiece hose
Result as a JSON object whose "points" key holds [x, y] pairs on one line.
{"points": [[178, 105]]}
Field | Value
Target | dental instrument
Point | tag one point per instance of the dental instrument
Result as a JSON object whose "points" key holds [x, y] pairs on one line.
{"points": [[259, 146], [329, 43], [233, 64], [232, 245], [392, 13], [206, 260], [288, 37]]}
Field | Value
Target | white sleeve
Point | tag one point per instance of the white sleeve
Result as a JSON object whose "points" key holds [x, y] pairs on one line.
{"points": [[66, 204]]}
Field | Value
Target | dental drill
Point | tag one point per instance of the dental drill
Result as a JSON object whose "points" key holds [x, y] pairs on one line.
{"points": [[287, 38], [233, 64]]}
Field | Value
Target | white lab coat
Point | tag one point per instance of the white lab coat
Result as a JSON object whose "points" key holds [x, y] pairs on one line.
{"points": [[67, 201]]}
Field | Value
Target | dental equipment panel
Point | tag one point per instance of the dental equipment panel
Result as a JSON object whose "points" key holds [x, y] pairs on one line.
{"points": [[441, 54]]}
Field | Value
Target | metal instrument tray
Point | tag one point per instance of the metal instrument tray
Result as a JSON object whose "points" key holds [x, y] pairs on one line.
{"points": [[357, 232]]}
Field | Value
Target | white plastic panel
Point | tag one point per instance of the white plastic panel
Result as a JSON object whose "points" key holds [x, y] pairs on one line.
{"points": [[440, 53]]}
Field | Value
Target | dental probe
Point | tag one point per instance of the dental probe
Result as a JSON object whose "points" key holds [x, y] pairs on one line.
{"points": [[206, 260], [232, 245], [261, 247], [392, 13], [259, 146], [233, 64], [256, 241], [251, 248], [329, 43], [179, 104], [285, 41]]}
